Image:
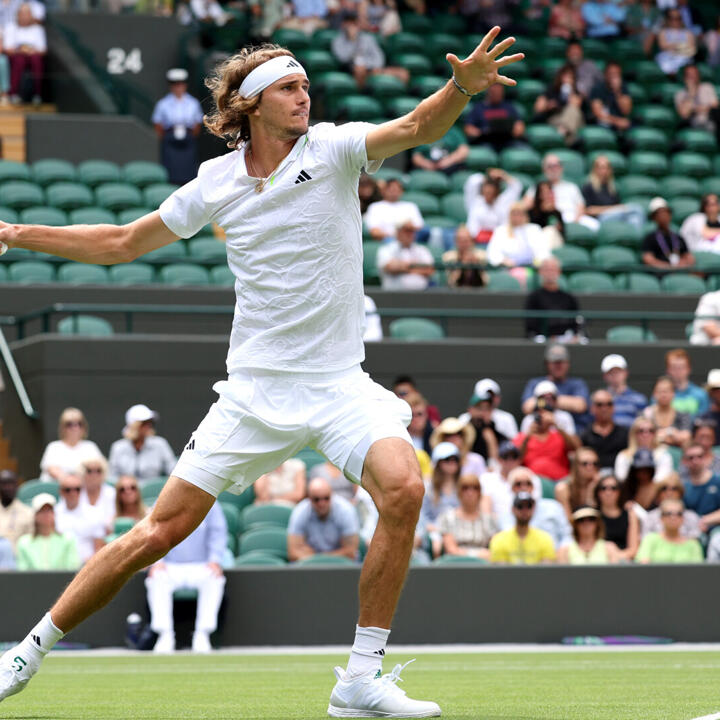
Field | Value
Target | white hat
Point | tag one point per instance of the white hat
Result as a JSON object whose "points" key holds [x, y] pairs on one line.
{"points": [[613, 361], [482, 387], [545, 387], [176, 75], [657, 203], [713, 379], [445, 450], [41, 500], [139, 413], [406, 219]]}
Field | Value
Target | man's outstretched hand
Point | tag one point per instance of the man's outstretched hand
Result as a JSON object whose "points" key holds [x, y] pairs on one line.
{"points": [[482, 67]]}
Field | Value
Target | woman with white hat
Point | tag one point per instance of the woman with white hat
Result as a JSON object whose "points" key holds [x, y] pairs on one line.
{"points": [[463, 436], [588, 546]]}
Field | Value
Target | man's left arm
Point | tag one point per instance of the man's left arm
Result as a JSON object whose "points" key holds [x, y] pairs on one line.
{"points": [[435, 115]]}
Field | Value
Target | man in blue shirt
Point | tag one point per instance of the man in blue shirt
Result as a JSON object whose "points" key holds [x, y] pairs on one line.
{"points": [[603, 18], [629, 403], [713, 388], [689, 398], [495, 121], [573, 392], [702, 488]]}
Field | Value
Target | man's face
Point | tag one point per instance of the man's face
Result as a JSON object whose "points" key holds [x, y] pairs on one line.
{"points": [[704, 436], [496, 94], [70, 491], [616, 377], [524, 513], [662, 217], [8, 489], [419, 419], [284, 108], [691, 75], [714, 394], [509, 463], [679, 370], [549, 273], [694, 460], [481, 411], [320, 501], [602, 406], [553, 168], [45, 519], [574, 54], [558, 369], [406, 235], [521, 483], [393, 191], [463, 240]]}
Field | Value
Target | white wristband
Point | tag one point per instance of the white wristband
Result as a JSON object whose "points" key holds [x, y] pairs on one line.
{"points": [[3, 248]]}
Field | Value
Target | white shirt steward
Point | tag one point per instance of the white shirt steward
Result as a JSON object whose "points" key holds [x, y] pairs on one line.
{"points": [[296, 343]]}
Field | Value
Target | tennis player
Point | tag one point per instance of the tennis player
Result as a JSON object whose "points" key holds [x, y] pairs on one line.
{"points": [[287, 199]]}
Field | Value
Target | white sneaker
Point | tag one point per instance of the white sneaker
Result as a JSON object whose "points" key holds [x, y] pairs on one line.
{"points": [[201, 642], [16, 670], [376, 696], [165, 644]]}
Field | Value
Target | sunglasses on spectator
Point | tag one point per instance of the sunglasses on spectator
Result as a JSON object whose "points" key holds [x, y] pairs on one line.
{"points": [[70, 489], [470, 487], [671, 513], [94, 470], [610, 486], [525, 506], [676, 488], [588, 463], [522, 483], [587, 519], [694, 456], [646, 430], [73, 423], [128, 488], [319, 498], [604, 403]]}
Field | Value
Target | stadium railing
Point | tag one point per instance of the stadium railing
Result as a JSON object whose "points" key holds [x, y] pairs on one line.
{"points": [[14, 374]]}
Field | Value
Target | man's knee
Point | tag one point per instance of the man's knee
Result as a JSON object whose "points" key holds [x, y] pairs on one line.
{"points": [[400, 502], [155, 539]]}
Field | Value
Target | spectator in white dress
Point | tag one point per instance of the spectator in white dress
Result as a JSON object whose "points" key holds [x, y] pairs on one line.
{"points": [[96, 492], [404, 264], [517, 242], [381, 217], [84, 522], [487, 205]]}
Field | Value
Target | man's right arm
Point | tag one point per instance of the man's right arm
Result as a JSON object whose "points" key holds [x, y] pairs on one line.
{"points": [[99, 244]]}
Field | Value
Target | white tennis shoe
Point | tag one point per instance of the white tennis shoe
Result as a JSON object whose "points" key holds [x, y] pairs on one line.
{"points": [[16, 670], [376, 696]]}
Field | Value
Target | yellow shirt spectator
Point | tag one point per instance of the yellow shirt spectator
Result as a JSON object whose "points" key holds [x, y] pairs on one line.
{"points": [[508, 547], [426, 467]]}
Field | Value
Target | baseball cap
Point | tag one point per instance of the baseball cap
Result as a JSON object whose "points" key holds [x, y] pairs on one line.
{"points": [[176, 75], [476, 397], [8, 476], [584, 512], [643, 458], [507, 448], [445, 450], [139, 413], [557, 353], [657, 203], [613, 361], [486, 385], [713, 379], [523, 497], [545, 387], [41, 500]]}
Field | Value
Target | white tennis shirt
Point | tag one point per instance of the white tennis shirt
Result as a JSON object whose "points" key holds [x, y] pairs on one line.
{"points": [[295, 250]]}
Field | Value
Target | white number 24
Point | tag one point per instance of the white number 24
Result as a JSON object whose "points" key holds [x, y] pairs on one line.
{"points": [[120, 62]]}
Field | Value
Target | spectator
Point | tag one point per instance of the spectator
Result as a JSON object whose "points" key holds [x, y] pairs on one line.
{"points": [[339, 484], [46, 548], [285, 485], [360, 52], [603, 201], [322, 523], [604, 436], [704, 435], [96, 492], [689, 397], [697, 103], [496, 484], [379, 16], [610, 102], [195, 563], [462, 435], [639, 489], [712, 43], [628, 403], [663, 247], [128, 500], [701, 230], [381, 217], [672, 488], [308, 15], [404, 385], [676, 43], [209, 12], [673, 427], [141, 453], [603, 18], [16, 518], [578, 489], [588, 546], [702, 488], [368, 191], [642, 22], [713, 550], [7, 556], [25, 43], [568, 198], [518, 242], [177, 119], [706, 326], [587, 73], [487, 206], [465, 253], [643, 435], [63, 456], [373, 331], [494, 120], [573, 392], [544, 213], [550, 297], [622, 527], [4, 73], [566, 21], [562, 105], [84, 522], [690, 17], [546, 394], [403, 263], [487, 435], [503, 421], [447, 155], [420, 427], [669, 546], [265, 17], [522, 544], [466, 530]]}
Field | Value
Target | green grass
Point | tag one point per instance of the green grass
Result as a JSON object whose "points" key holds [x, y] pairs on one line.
{"points": [[508, 686]]}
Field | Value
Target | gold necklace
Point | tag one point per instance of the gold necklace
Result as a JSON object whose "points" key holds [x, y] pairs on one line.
{"points": [[262, 181]]}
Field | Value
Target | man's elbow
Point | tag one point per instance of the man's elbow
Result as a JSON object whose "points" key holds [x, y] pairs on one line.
{"points": [[125, 248]]}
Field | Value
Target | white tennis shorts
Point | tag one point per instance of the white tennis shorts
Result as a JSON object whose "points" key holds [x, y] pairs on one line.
{"points": [[263, 418]]}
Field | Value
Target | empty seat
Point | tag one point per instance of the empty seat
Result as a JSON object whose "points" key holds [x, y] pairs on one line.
{"points": [[574, 164], [591, 282], [572, 255], [425, 85], [708, 185], [648, 72], [406, 42], [69, 195], [48, 171], [85, 325], [271, 540], [594, 137], [265, 515], [141, 173], [656, 116], [707, 260], [43, 216], [334, 84], [544, 137], [412, 329], [607, 257], [19, 194], [3, 274], [414, 63], [11, 170], [401, 105], [96, 172], [695, 140], [258, 558], [428, 181], [81, 274], [26, 272], [92, 216], [118, 196], [629, 185], [156, 194], [619, 233], [222, 275], [629, 334], [647, 139], [30, 488], [642, 283], [648, 163], [295, 40], [317, 60], [691, 163], [173, 251], [8, 215], [184, 274], [678, 186], [578, 234], [481, 158], [207, 249], [683, 285], [522, 160], [683, 207], [382, 86], [371, 274], [428, 204], [131, 214], [134, 273], [453, 206]]}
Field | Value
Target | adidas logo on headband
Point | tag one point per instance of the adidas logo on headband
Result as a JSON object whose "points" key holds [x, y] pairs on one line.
{"points": [[292, 63]]}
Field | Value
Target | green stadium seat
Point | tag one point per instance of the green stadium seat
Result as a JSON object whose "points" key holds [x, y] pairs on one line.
{"points": [[414, 63], [88, 325], [92, 216], [641, 283], [544, 137], [118, 196], [258, 558], [69, 195], [699, 141], [617, 161], [151, 489], [124, 217], [527, 91], [322, 559], [573, 163], [245, 498], [295, 40], [642, 200], [20, 194], [414, 329], [577, 234], [596, 49], [572, 255], [97, 172], [629, 334], [11, 170], [629, 49], [232, 519], [81, 274], [356, 107], [438, 44], [647, 72], [522, 160], [123, 525], [310, 457], [43, 216], [271, 540], [591, 282], [691, 163], [655, 116], [428, 181], [637, 185], [406, 42], [683, 207], [716, 164], [683, 285], [173, 251], [481, 158], [548, 65], [613, 233], [594, 137], [184, 274], [425, 85], [707, 261], [141, 173], [453, 206], [371, 274], [385, 86], [336, 84], [8, 215], [648, 163], [440, 221], [420, 24], [607, 257], [673, 186], [222, 275], [134, 273], [3, 274], [48, 171], [459, 560], [707, 185], [398, 106], [316, 60], [30, 488], [637, 92], [428, 204], [458, 180], [647, 139], [205, 249], [323, 38], [28, 272], [154, 195], [501, 281], [664, 92], [264, 516]]}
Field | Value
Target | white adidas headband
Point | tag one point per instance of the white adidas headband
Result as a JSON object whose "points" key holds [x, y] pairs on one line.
{"points": [[269, 72]]}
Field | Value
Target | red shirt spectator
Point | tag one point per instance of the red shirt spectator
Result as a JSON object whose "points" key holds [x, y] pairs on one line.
{"points": [[546, 456]]}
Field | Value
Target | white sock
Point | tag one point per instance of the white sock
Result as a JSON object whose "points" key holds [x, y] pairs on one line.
{"points": [[368, 650], [42, 638]]}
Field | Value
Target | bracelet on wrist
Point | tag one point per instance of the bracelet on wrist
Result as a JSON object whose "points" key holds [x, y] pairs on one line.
{"points": [[461, 88]]}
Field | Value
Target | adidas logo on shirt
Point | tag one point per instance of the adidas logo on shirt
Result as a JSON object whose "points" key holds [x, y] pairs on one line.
{"points": [[302, 177]]}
